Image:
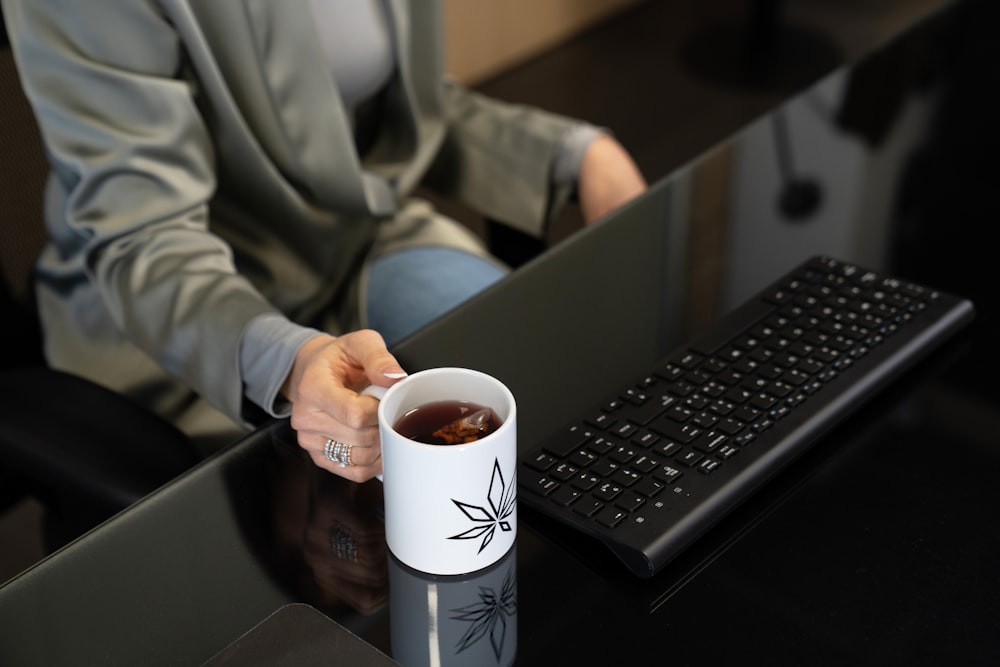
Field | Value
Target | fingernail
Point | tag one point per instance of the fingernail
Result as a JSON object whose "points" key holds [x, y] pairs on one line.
{"points": [[394, 376]]}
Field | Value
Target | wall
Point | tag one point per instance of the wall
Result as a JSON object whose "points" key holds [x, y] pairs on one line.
{"points": [[485, 37]]}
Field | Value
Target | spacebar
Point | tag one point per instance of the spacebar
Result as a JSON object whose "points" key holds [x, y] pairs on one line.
{"points": [[723, 331]]}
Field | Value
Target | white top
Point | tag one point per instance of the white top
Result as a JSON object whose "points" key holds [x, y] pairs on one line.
{"points": [[357, 45]]}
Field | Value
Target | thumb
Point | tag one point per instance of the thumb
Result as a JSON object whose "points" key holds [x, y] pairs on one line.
{"points": [[368, 349]]}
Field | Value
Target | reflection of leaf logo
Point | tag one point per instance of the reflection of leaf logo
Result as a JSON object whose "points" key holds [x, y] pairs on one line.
{"points": [[501, 498], [488, 617]]}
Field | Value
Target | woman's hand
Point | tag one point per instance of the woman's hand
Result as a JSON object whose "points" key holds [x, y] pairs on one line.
{"points": [[608, 178], [323, 387]]}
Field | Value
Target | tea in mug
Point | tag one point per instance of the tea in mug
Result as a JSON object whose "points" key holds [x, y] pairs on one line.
{"points": [[448, 423]]}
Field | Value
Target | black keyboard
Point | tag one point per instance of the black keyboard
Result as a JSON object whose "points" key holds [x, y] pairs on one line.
{"points": [[660, 462]]}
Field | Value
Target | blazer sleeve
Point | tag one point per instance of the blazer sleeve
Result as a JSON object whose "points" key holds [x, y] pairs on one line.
{"points": [[498, 158], [133, 171]]}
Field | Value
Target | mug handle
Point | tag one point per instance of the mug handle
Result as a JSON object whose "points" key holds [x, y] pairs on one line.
{"points": [[376, 392]]}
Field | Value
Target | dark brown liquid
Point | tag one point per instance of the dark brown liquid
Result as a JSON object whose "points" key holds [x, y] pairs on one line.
{"points": [[448, 423]]}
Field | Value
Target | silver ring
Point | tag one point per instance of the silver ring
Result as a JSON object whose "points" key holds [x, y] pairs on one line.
{"points": [[337, 452]]}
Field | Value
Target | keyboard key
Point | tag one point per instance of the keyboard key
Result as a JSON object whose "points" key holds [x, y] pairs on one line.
{"points": [[645, 439], [536, 482], [738, 395], [649, 487], [762, 401], [604, 468], [643, 464], [709, 442], [630, 502], [726, 452], [705, 420], [667, 447], [625, 477], [708, 466], [568, 441], [601, 445], [581, 458], [541, 461], [610, 516], [730, 425], [622, 454], [690, 458], [565, 496], [650, 410], [682, 433], [601, 420], [695, 402], [722, 408], [624, 430], [669, 371], [681, 388], [607, 491], [679, 413], [668, 474], [563, 472], [588, 507], [689, 360], [585, 481]]}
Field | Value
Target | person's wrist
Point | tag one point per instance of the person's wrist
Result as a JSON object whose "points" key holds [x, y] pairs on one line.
{"points": [[301, 360], [608, 178]]}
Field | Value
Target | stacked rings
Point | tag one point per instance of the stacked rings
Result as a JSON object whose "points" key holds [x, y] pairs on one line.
{"points": [[337, 452]]}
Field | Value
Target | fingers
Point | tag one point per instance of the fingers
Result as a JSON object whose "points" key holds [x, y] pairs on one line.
{"points": [[326, 374], [357, 428], [336, 412], [323, 385], [358, 463], [367, 350]]}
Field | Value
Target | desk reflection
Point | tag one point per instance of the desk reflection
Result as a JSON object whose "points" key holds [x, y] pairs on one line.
{"points": [[319, 536], [344, 543], [326, 542]]}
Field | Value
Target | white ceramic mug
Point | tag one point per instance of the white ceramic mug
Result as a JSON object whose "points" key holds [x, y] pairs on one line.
{"points": [[449, 509]]}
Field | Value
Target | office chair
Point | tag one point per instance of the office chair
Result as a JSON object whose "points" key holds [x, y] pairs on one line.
{"points": [[85, 452]]}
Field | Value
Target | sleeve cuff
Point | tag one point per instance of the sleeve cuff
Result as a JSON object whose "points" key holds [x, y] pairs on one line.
{"points": [[569, 154], [267, 351]]}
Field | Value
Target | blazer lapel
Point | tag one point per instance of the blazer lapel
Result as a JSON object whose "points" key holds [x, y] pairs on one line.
{"points": [[415, 102], [268, 52], [318, 145]]}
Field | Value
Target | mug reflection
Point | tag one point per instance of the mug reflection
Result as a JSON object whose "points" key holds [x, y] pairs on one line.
{"points": [[452, 621]]}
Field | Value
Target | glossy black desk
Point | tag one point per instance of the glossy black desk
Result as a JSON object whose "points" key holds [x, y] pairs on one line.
{"points": [[877, 547]]}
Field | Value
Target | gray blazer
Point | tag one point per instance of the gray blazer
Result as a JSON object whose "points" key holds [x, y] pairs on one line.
{"points": [[204, 172]]}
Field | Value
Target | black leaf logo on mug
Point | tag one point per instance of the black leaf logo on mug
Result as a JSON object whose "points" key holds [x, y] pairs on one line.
{"points": [[501, 499]]}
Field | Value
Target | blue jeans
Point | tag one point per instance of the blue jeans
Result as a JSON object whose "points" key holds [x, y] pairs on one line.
{"points": [[410, 288]]}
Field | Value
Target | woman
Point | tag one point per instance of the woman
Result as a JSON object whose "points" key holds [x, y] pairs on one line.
{"points": [[230, 206]]}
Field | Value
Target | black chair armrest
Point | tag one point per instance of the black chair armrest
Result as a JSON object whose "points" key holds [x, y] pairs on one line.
{"points": [[74, 442]]}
